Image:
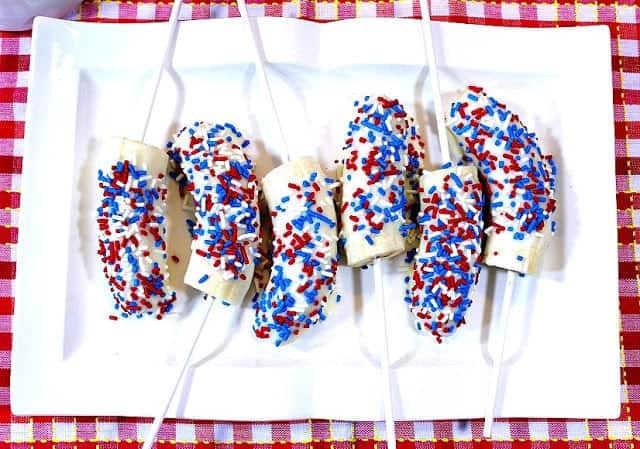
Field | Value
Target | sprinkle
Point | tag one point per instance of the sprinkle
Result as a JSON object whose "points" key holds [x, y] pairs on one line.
{"points": [[456, 179]]}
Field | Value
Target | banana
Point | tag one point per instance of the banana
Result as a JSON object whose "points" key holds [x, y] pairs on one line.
{"points": [[301, 288], [383, 154], [519, 176], [132, 230], [149, 158], [447, 263], [224, 188]]}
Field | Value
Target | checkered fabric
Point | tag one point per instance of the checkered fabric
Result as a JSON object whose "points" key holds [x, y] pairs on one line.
{"points": [[623, 19]]}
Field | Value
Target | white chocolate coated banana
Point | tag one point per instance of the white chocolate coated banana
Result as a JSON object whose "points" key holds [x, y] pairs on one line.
{"points": [[225, 194], [132, 230], [519, 177], [301, 287], [447, 263], [382, 156]]}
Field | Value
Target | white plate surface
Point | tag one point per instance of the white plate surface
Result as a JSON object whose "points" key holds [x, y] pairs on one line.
{"points": [[90, 81]]}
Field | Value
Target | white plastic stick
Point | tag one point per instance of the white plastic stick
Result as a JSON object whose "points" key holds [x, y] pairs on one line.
{"points": [[262, 74], [384, 357], [494, 380], [170, 37], [173, 23], [157, 421], [435, 81]]}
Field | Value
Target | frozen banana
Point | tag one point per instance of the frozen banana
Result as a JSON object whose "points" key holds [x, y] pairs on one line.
{"points": [[220, 178], [520, 178], [382, 157], [132, 230], [447, 263], [301, 287]]}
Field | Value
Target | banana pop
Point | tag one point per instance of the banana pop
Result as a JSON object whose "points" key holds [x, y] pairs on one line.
{"points": [[132, 230], [224, 189], [447, 263], [382, 156], [519, 177], [301, 288]]}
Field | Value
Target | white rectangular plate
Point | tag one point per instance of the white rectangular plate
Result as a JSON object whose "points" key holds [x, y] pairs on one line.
{"points": [[90, 81]]}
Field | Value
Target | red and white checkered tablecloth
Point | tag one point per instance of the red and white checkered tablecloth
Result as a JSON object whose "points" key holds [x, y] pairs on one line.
{"points": [[623, 19]]}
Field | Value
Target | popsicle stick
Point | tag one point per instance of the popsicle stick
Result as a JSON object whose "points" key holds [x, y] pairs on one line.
{"points": [[385, 370], [262, 74], [170, 37], [435, 81], [494, 380], [157, 421], [171, 34]]}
